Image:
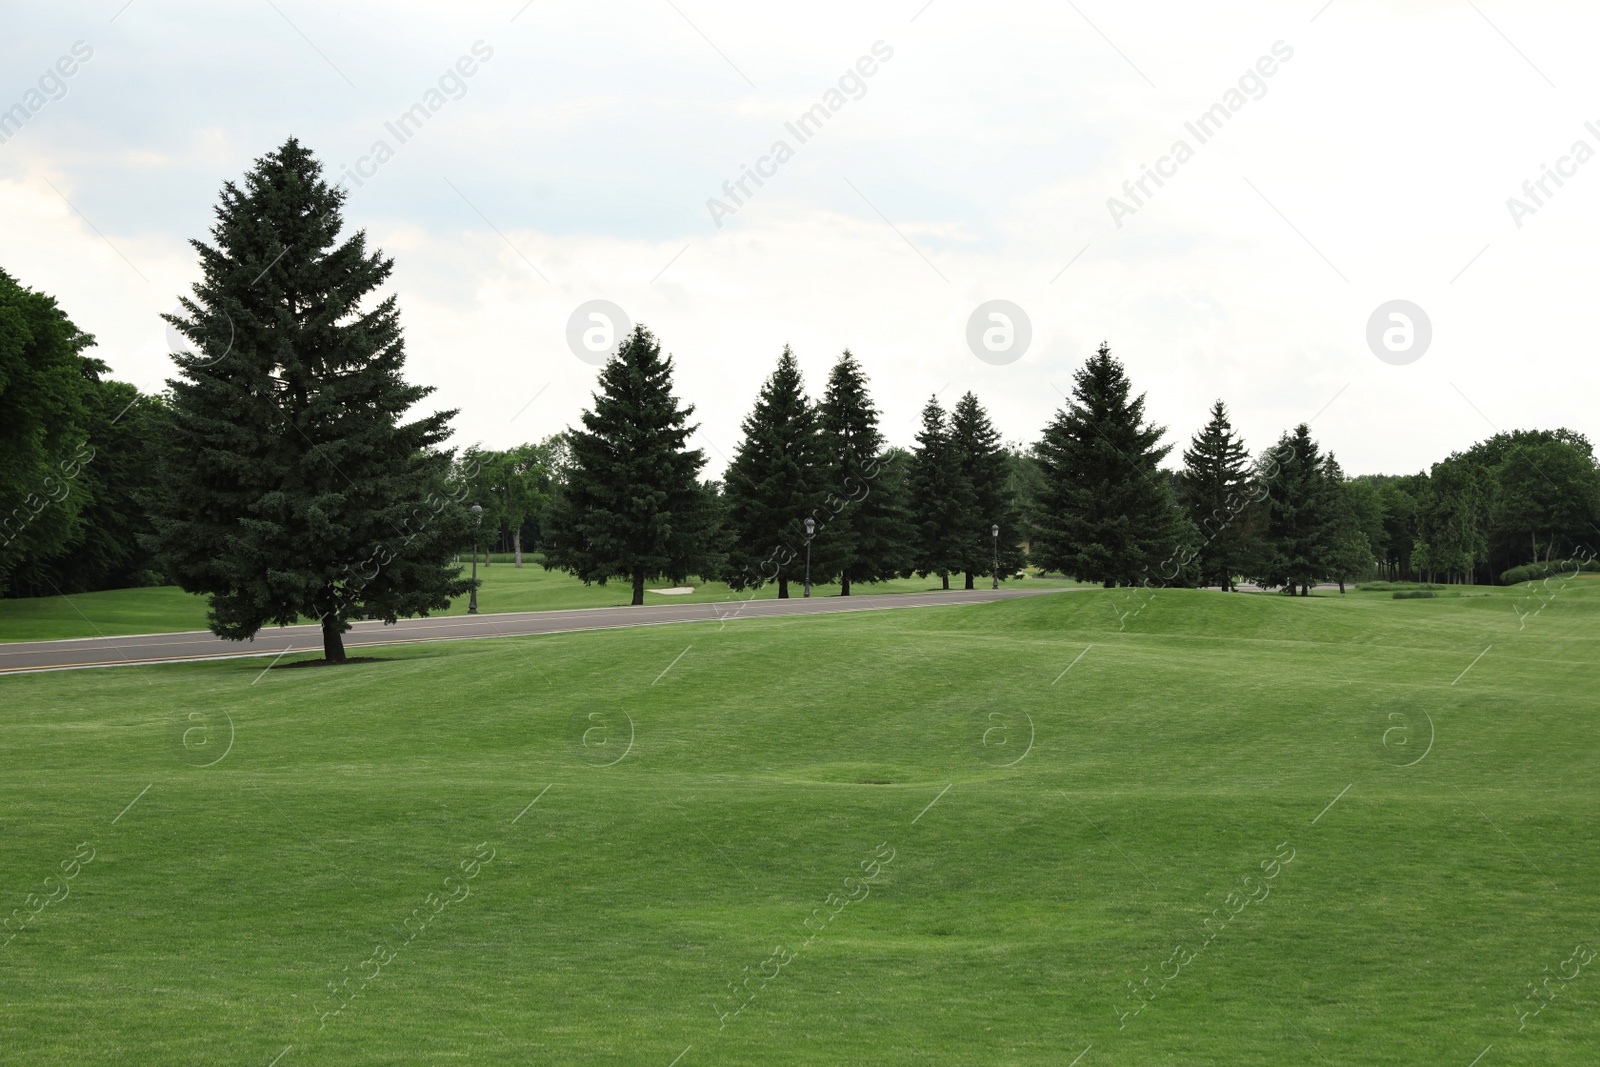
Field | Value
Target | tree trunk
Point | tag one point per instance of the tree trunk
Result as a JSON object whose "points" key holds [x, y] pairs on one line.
{"points": [[969, 579], [1341, 587], [516, 542], [332, 639], [783, 587], [844, 585], [1110, 584], [638, 587], [946, 579]]}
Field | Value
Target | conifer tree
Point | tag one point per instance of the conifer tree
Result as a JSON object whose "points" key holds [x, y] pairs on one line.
{"points": [[1299, 523], [632, 506], [987, 471], [939, 499], [777, 478], [863, 527], [291, 486], [1215, 490], [1106, 513]]}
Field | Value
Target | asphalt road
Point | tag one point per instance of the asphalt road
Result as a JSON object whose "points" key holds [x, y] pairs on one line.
{"points": [[27, 656]]}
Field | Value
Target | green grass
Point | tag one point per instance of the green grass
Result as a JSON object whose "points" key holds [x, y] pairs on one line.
{"points": [[1197, 734], [167, 609]]}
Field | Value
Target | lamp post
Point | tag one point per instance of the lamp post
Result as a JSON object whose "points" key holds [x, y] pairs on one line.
{"points": [[477, 521], [811, 528], [994, 532]]}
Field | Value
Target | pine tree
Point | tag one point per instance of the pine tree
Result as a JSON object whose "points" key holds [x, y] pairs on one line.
{"points": [[777, 478], [292, 488], [1106, 513], [987, 469], [862, 532], [1298, 535], [632, 506], [939, 498], [1214, 487]]}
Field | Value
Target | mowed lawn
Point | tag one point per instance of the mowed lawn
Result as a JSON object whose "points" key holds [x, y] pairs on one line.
{"points": [[168, 609], [775, 768]]}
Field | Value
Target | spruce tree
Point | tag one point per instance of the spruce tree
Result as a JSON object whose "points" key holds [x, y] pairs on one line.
{"points": [[291, 487], [777, 478], [1215, 490], [988, 471], [1299, 522], [939, 499], [632, 506], [862, 527], [1106, 513]]}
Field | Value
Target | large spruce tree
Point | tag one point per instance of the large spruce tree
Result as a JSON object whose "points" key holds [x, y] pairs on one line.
{"points": [[777, 479], [939, 498], [632, 505], [292, 489], [988, 472], [1215, 490], [1106, 513], [862, 530]]}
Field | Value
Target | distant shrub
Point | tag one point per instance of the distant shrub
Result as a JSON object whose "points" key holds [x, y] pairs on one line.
{"points": [[1556, 568], [1384, 587], [1415, 594]]}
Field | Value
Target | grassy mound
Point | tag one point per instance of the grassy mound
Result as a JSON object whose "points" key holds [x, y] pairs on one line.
{"points": [[954, 835]]}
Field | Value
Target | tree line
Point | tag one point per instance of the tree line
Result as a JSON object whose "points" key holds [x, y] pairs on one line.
{"points": [[285, 475]]}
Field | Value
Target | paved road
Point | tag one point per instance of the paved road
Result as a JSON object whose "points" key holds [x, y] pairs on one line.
{"points": [[28, 656]]}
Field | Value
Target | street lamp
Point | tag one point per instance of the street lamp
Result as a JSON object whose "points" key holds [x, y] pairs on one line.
{"points": [[994, 531], [811, 528], [477, 521]]}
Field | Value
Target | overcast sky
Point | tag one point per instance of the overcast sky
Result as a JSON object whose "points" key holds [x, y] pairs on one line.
{"points": [[961, 153]]}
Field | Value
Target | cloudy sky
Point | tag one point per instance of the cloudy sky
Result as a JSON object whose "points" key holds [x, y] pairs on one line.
{"points": [[1359, 153]]}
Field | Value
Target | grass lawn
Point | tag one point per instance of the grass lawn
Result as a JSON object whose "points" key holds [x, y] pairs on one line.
{"points": [[949, 835], [167, 609]]}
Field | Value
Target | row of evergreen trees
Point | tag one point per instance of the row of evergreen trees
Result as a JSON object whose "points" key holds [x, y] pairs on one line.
{"points": [[630, 504], [286, 474], [1090, 500]]}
